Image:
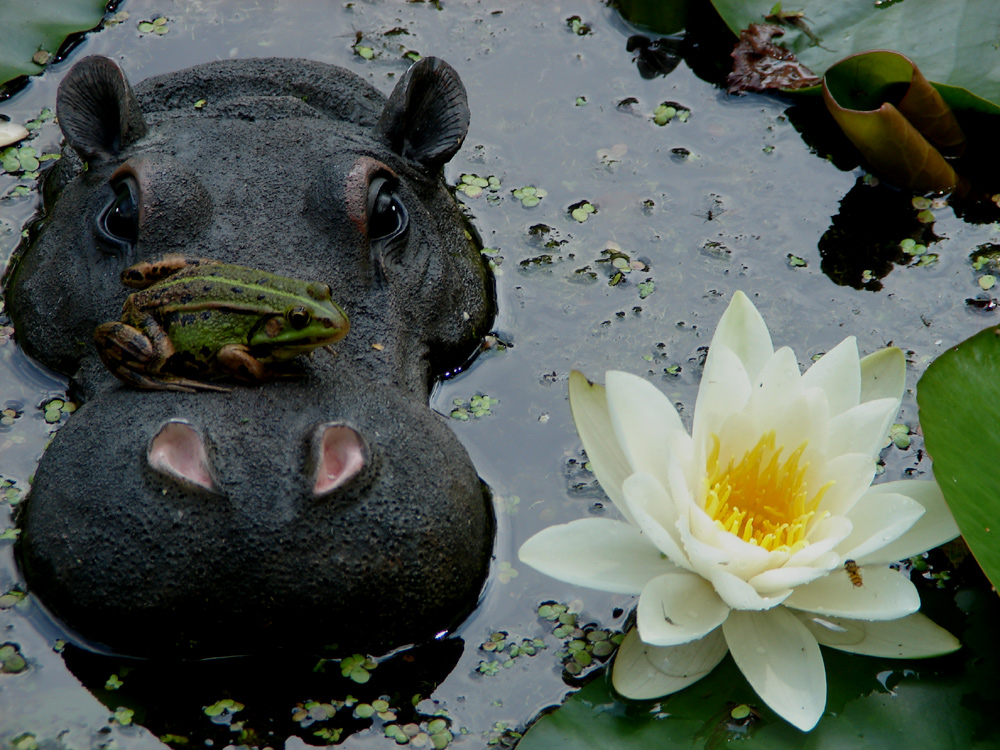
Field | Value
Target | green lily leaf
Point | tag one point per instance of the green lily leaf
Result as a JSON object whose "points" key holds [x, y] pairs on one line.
{"points": [[953, 43], [32, 32], [661, 16], [895, 118], [959, 400], [872, 703]]}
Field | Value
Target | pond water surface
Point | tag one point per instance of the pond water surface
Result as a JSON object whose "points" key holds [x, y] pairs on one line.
{"points": [[727, 197]]}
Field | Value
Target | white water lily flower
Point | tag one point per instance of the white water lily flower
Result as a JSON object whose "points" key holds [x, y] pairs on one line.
{"points": [[760, 533]]}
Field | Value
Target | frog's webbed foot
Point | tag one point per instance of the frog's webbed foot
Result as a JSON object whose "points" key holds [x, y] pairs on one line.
{"points": [[147, 273]]}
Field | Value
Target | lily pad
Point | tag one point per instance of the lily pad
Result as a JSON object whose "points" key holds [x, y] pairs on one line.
{"points": [[953, 43], [895, 118], [959, 400], [872, 704], [27, 28]]}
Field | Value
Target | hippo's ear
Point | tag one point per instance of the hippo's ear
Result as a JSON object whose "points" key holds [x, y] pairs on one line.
{"points": [[97, 110], [427, 115]]}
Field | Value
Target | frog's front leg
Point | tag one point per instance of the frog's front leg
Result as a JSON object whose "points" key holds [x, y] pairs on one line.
{"points": [[236, 360], [135, 358]]}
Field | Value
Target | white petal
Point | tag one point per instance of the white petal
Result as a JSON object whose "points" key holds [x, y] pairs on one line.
{"points": [[742, 329], [642, 672], [823, 536], [852, 474], [863, 428], [838, 373], [782, 662], [646, 424], [739, 594], [695, 530], [782, 579], [593, 423], [656, 515], [878, 519], [724, 389], [778, 382], [678, 608], [910, 637], [883, 374], [596, 553], [935, 527], [884, 594]]}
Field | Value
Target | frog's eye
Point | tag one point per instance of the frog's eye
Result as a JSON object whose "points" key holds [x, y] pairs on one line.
{"points": [[119, 221], [299, 317], [387, 219]]}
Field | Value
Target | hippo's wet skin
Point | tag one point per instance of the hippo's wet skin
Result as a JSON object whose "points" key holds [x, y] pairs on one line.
{"points": [[330, 508], [274, 534]]}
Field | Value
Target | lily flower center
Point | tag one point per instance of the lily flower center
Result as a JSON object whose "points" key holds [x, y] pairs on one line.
{"points": [[762, 499]]}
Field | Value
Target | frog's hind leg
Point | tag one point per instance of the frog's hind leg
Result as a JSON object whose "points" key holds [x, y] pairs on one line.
{"points": [[130, 356]]}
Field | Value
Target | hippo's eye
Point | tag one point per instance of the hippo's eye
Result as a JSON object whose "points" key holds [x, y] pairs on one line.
{"points": [[387, 219], [119, 221], [299, 317]]}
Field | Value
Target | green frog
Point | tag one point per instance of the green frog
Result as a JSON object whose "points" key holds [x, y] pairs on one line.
{"points": [[197, 320]]}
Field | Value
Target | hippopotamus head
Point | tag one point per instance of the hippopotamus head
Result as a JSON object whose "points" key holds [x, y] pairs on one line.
{"points": [[216, 524], [289, 166], [332, 508]]}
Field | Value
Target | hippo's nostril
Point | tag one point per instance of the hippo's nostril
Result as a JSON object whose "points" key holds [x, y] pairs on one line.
{"points": [[179, 451], [341, 456]]}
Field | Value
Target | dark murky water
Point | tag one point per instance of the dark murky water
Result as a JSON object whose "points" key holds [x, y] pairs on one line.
{"points": [[732, 198]]}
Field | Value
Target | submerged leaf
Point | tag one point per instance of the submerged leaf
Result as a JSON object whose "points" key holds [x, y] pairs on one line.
{"points": [[895, 118], [959, 400]]}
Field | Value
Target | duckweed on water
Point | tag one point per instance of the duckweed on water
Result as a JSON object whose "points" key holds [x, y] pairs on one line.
{"points": [[529, 195], [12, 598], [478, 406], [357, 668], [113, 683], [222, 712], [506, 572], [581, 211], [124, 716], [899, 435], [508, 505], [506, 649], [156, 26], [577, 26], [795, 261], [9, 493], [581, 645], [667, 111], [472, 185], [11, 660]]}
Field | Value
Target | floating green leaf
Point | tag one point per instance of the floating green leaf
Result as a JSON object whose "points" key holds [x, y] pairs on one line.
{"points": [[895, 118], [40, 25], [959, 400]]}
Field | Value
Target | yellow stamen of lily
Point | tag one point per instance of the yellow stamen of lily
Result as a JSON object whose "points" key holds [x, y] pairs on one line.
{"points": [[761, 499]]}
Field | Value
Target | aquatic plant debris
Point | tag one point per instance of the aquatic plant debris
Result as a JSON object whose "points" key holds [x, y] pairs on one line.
{"points": [[761, 65], [735, 536]]}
